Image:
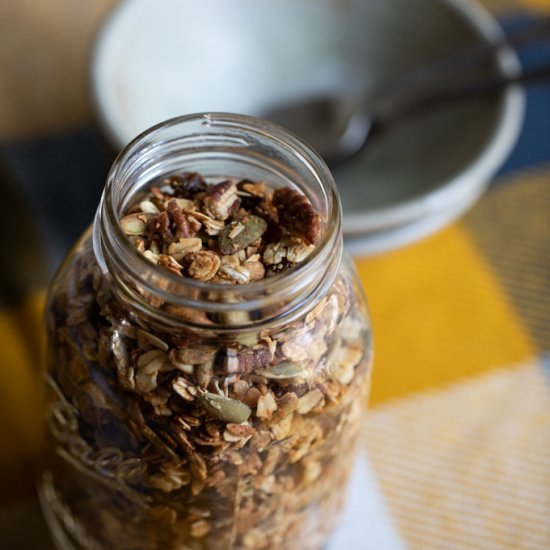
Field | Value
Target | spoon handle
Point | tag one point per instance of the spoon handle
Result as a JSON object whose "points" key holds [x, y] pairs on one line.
{"points": [[469, 58], [474, 88]]}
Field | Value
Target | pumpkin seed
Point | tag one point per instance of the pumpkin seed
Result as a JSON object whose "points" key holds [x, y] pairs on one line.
{"points": [[238, 235], [224, 408], [285, 369]]}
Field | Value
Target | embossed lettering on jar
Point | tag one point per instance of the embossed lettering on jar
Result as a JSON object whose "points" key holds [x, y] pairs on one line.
{"points": [[215, 410]]}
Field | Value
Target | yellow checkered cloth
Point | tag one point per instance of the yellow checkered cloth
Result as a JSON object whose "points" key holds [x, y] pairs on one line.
{"points": [[458, 435]]}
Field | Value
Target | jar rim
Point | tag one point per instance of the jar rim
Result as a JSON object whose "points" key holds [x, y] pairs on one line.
{"points": [[108, 222]]}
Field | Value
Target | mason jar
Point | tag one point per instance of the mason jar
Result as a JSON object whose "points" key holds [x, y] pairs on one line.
{"points": [[185, 414]]}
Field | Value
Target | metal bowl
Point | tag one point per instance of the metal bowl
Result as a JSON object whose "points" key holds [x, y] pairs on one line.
{"points": [[158, 59]]}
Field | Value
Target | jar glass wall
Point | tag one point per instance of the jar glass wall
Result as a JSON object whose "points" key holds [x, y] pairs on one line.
{"points": [[186, 414]]}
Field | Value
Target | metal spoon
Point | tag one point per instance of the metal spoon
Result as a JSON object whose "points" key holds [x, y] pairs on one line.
{"points": [[340, 128]]}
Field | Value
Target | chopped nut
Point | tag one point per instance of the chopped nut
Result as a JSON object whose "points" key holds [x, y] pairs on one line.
{"points": [[274, 253], [149, 365], [187, 184], [147, 207], [256, 189], [160, 227], [221, 200], [240, 387], [244, 361], [180, 225], [297, 214], [134, 224], [230, 261], [266, 406]]}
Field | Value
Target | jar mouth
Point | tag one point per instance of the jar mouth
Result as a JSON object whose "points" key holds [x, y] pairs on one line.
{"points": [[214, 132]]}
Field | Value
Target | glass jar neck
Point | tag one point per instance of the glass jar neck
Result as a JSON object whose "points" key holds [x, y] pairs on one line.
{"points": [[219, 146]]}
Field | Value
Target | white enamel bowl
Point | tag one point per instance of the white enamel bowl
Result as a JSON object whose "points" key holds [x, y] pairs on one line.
{"points": [[155, 59]]}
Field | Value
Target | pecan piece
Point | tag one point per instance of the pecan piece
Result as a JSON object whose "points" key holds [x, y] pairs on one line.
{"points": [[187, 184], [251, 193], [297, 214], [221, 200], [159, 226], [171, 224], [180, 225], [236, 361]]}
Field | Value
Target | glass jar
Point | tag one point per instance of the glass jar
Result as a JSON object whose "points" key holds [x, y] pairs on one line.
{"points": [[250, 441]]}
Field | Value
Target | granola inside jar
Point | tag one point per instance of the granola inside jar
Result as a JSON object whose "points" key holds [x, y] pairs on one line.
{"points": [[208, 349]]}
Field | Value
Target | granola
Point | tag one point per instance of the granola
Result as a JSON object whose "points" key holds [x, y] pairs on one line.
{"points": [[176, 440], [238, 232]]}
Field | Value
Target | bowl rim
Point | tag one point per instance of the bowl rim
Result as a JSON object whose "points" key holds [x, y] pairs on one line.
{"points": [[392, 238], [105, 124], [472, 180]]}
